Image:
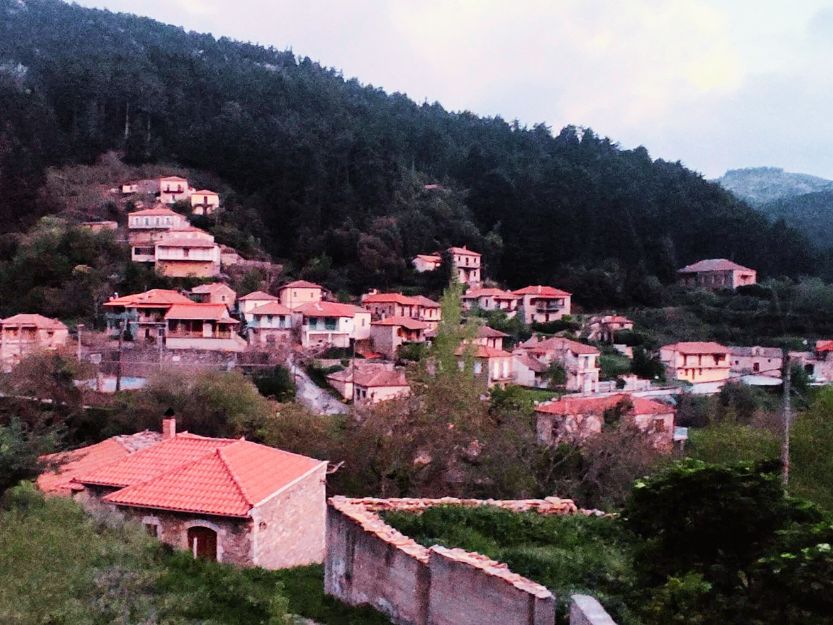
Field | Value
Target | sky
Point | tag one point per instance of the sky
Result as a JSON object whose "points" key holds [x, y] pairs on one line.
{"points": [[715, 84]]}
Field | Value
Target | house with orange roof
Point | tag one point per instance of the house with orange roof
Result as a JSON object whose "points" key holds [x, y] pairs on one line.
{"points": [[182, 255], [383, 305], [389, 333], [142, 315], [697, 362], [145, 226], [300, 292], [579, 361], [173, 189], [255, 299], [542, 304], [603, 328], [204, 202], [227, 500], [268, 324], [493, 366], [214, 293], [489, 337], [717, 273], [428, 310], [574, 419], [332, 324], [490, 298], [202, 326], [370, 383], [466, 265], [24, 334]]}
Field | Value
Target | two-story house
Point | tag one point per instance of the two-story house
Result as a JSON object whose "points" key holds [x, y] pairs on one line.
{"points": [[187, 257], [204, 202], [389, 333], [173, 189], [383, 305], [756, 360], [579, 361], [717, 273], [489, 298], [696, 362], [332, 324], [253, 300], [466, 265], [492, 365], [268, 324], [24, 334], [202, 326], [489, 337], [214, 293], [142, 315], [575, 419], [145, 227], [370, 382], [542, 304], [428, 310], [300, 292]]}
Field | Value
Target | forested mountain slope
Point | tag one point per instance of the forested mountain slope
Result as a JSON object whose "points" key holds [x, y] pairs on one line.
{"points": [[336, 169], [810, 214], [760, 185]]}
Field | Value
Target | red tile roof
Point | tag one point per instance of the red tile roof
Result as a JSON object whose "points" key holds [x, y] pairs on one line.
{"points": [[300, 284], [698, 347], [485, 332], [405, 322], [226, 480], [211, 288], [29, 319], [482, 351], [329, 309], [272, 308], [430, 258], [69, 464], [259, 295], [530, 363], [383, 298], [713, 264], [195, 311], [542, 291], [372, 375], [205, 192], [824, 346], [185, 242], [156, 211], [558, 344], [477, 293], [152, 298], [463, 251], [425, 302], [597, 405]]}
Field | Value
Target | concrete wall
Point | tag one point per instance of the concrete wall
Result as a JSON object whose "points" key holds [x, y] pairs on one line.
{"points": [[370, 563], [289, 528], [585, 610]]}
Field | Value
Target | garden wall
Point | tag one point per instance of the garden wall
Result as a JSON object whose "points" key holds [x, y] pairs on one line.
{"points": [[370, 563]]}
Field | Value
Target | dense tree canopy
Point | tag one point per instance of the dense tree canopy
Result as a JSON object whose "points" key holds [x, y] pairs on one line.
{"points": [[336, 169]]}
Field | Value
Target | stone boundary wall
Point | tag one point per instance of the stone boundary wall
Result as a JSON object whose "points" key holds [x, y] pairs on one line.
{"points": [[585, 610], [370, 563]]}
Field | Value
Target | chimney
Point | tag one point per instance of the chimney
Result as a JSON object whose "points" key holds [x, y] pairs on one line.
{"points": [[169, 425]]}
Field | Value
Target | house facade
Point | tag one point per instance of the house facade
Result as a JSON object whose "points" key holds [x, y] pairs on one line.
{"points": [[214, 293], [542, 304], [227, 500], [300, 292], [142, 315], [187, 257], [370, 383], [255, 299], [717, 273], [493, 366], [579, 361], [697, 362], [384, 305], [428, 310], [491, 299], [173, 189], [603, 328], [145, 227], [465, 264], [575, 419], [204, 202], [24, 334], [388, 334], [756, 360], [332, 324], [269, 325], [203, 327]]}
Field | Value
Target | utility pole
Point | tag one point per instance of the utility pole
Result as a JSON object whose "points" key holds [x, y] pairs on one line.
{"points": [[79, 327], [118, 362], [787, 410]]}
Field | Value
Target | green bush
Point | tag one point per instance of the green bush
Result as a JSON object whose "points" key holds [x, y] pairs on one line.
{"points": [[278, 383]]}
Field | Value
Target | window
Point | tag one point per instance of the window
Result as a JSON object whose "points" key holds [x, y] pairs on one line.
{"points": [[152, 529]]}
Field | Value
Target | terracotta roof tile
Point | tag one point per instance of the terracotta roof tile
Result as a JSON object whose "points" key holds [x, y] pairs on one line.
{"points": [[383, 298], [152, 298], [29, 319], [272, 308], [262, 295], [405, 322], [713, 264], [195, 311], [542, 291], [300, 284], [597, 405], [698, 347], [329, 309]]}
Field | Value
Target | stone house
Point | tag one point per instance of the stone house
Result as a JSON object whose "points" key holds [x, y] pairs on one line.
{"points": [[214, 293], [384, 305], [717, 273], [389, 333], [696, 362], [143, 314], [756, 360], [268, 325], [187, 257], [574, 419], [300, 292], [24, 334], [428, 310], [370, 382], [542, 304], [204, 202], [493, 365], [489, 337], [579, 361], [227, 500]]}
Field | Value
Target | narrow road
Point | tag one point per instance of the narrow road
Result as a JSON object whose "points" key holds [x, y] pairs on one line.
{"points": [[311, 395]]}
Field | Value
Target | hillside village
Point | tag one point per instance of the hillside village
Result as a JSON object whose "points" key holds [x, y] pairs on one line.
{"points": [[374, 362]]}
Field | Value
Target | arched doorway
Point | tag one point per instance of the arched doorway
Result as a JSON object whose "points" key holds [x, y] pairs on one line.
{"points": [[202, 541]]}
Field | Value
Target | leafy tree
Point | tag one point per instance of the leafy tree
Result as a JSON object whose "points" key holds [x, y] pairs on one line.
{"points": [[277, 384]]}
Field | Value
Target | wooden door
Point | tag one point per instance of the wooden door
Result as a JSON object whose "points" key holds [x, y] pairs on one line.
{"points": [[203, 543]]}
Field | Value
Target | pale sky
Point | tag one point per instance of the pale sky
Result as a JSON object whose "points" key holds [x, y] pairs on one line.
{"points": [[715, 84]]}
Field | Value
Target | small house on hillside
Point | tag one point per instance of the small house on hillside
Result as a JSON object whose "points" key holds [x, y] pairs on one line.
{"points": [[142, 315], [574, 419], [493, 365], [332, 324], [370, 383], [756, 360], [268, 325], [173, 189], [542, 304], [579, 361], [697, 362], [24, 334], [491, 299], [717, 273], [214, 293], [388, 334], [202, 326], [300, 292], [221, 499], [204, 202]]}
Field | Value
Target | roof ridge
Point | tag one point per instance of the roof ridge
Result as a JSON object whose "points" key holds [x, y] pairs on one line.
{"points": [[231, 473]]}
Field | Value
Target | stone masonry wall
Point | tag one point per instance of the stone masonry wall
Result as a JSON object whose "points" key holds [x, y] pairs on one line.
{"points": [[585, 610], [369, 562], [289, 528]]}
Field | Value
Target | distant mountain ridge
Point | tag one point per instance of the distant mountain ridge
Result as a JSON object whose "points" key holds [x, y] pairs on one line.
{"points": [[760, 185]]}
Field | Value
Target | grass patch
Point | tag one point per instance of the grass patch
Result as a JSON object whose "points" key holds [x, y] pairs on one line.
{"points": [[573, 554]]}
